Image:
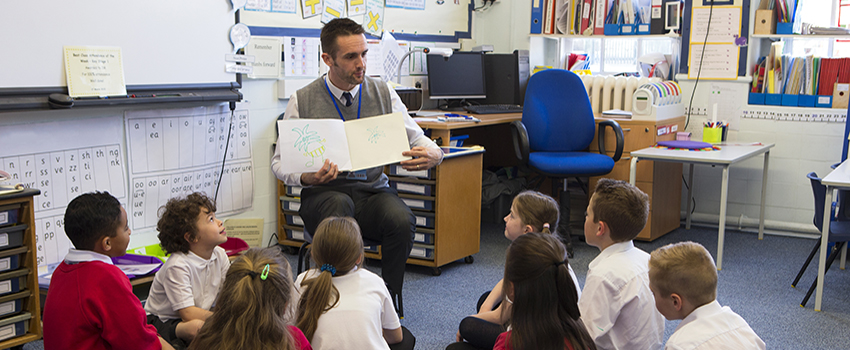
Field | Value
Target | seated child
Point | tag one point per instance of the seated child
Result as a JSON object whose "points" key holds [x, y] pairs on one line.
{"points": [[616, 303], [90, 303], [683, 279], [184, 289], [531, 211], [538, 285], [251, 308], [340, 304]]}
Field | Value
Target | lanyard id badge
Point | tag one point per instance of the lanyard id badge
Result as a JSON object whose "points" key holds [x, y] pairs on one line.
{"points": [[359, 175]]}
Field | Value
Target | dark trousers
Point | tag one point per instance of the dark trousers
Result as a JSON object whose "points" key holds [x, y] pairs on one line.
{"points": [[382, 216], [479, 334]]}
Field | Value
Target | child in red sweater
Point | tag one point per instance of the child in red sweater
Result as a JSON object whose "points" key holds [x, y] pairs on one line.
{"points": [[90, 304]]}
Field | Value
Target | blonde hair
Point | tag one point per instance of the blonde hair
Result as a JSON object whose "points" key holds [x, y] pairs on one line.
{"points": [[250, 311], [337, 243], [538, 210], [684, 268], [622, 206]]}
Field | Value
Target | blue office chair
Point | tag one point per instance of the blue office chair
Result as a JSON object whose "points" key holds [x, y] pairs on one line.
{"points": [[555, 133], [839, 233]]}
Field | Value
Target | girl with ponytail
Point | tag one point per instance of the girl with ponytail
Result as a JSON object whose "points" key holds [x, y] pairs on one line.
{"points": [[250, 312], [341, 305]]}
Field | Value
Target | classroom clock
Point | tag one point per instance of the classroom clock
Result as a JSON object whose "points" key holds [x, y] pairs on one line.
{"points": [[240, 35]]}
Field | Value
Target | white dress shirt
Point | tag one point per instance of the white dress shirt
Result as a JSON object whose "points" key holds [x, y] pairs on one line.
{"points": [[714, 327], [616, 304], [75, 256], [187, 279], [415, 135]]}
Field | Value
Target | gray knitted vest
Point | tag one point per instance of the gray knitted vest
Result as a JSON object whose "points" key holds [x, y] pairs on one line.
{"points": [[316, 102]]}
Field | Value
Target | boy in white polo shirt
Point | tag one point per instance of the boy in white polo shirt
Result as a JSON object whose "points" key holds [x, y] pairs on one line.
{"points": [[184, 289], [616, 303], [683, 279]]}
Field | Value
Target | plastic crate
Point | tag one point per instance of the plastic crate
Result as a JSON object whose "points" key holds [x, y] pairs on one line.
{"points": [[424, 218], [14, 326], [9, 214], [13, 281], [12, 236], [290, 203], [405, 187], [10, 259]]}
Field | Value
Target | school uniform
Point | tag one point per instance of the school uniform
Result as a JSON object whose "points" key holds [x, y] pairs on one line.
{"points": [[187, 279], [358, 320], [90, 305], [714, 327], [503, 342], [616, 304]]}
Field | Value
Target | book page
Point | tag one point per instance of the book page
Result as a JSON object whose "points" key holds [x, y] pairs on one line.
{"points": [[304, 144], [377, 141]]}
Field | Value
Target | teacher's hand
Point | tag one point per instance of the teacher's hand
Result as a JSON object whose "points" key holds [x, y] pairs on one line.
{"points": [[327, 173], [423, 158]]}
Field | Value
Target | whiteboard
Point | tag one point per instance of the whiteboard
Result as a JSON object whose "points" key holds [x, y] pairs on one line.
{"points": [[162, 42]]}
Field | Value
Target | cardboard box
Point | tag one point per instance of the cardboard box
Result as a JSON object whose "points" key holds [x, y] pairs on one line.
{"points": [[765, 22], [840, 95]]}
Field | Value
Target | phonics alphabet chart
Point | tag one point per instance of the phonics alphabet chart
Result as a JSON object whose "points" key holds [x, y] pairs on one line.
{"points": [[175, 152], [63, 165]]}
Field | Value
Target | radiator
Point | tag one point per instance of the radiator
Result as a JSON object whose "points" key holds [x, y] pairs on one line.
{"points": [[610, 92]]}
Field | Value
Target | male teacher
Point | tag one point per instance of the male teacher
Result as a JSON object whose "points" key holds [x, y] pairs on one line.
{"points": [[347, 93]]}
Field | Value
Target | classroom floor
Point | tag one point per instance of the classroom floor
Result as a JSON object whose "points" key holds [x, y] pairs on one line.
{"points": [[755, 283]]}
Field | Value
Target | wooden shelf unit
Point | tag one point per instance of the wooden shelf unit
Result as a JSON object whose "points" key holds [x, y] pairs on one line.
{"points": [[662, 181], [31, 304], [457, 209]]}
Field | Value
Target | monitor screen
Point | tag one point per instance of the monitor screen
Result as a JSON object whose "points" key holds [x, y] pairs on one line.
{"points": [[457, 77]]}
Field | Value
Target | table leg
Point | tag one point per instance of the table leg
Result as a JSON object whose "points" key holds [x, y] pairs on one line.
{"points": [[633, 170], [690, 195], [843, 257], [721, 231], [824, 241], [763, 194]]}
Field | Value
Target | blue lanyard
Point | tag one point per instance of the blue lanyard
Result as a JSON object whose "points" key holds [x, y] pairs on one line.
{"points": [[333, 98]]}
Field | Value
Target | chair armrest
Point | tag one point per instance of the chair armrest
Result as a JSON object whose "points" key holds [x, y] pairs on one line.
{"points": [[520, 136], [618, 133]]}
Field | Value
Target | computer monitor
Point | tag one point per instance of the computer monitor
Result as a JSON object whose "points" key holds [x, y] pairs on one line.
{"points": [[460, 76]]}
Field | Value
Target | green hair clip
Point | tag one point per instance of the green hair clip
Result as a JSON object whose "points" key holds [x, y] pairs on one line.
{"points": [[265, 273]]}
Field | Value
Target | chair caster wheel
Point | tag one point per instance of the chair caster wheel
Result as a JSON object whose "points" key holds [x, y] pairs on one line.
{"points": [[436, 271], [469, 259]]}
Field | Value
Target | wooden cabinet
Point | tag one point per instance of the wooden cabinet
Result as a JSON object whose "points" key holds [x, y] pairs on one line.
{"points": [[448, 211], [20, 308], [662, 181]]}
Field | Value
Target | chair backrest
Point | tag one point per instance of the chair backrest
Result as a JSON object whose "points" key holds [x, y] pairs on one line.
{"points": [[819, 190], [557, 113]]}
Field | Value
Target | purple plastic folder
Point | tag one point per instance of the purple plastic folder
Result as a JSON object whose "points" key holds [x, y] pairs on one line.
{"points": [[685, 144], [133, 259]]}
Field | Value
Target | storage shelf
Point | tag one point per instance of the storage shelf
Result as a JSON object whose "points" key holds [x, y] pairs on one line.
{"points": [[800, 36], [646, 36]]}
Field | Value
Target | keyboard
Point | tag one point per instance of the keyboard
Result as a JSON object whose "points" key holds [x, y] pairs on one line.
{"points": [[493, 109]]}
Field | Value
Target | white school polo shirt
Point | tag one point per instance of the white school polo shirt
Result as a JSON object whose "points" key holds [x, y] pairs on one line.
{"points": [[357, 322], [186, 279], [616, 304], [714, 327]]}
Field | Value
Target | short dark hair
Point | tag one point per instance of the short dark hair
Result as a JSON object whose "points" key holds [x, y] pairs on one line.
{"points": [[622, 206], [178, 216], [90, 217], [335, 28]]}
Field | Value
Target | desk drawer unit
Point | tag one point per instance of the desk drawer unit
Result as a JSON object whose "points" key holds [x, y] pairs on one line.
{"points": [[14, 326], [397, 170], [661, 181], [424, 218], [294, 233], [293, 219]]}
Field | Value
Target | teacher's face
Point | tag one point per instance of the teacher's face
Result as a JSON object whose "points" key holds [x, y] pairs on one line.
{"points": [[348, 65]]}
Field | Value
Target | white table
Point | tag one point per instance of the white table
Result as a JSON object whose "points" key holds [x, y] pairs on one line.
{"points": [[726, 156], [838, 178]]}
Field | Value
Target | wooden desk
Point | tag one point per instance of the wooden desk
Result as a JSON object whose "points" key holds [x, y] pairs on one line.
{"points": [[726, 156], [444, 129], [838, 178]]}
